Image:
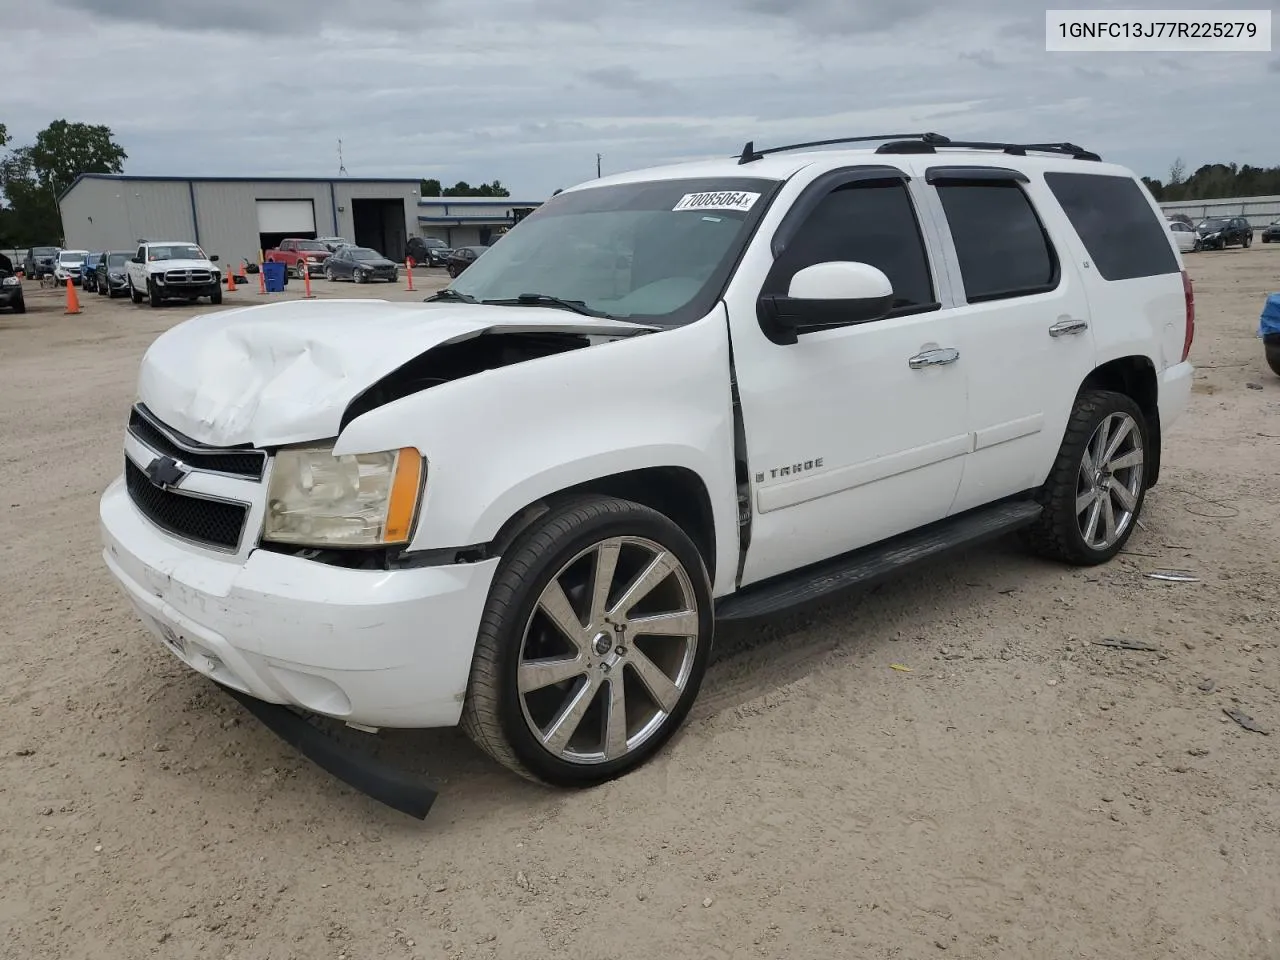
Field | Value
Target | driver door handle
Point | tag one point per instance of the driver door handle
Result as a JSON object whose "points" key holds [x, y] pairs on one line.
{"points": [[934, 358], [1068, 325]]}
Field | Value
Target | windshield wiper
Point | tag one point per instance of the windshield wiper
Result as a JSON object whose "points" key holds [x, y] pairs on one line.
{"points": [[447, 294], [546, 300]]}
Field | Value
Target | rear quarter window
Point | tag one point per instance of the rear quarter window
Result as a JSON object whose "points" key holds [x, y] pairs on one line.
{"points": [[1124, 237]]}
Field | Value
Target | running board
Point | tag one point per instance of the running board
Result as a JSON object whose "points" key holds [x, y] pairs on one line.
{"points": [[877, 561]]}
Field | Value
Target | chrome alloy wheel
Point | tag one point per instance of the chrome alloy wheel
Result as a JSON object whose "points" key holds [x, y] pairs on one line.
{"points": [[608, 651], [1109, 481]]}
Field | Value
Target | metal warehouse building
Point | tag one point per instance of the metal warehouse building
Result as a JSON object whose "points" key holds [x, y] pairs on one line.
{"points": [[237, 218], [470, 221]]}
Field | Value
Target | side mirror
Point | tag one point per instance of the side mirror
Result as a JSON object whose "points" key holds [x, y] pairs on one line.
{"points": [[826, 295], [214, 258], [135, 259]]}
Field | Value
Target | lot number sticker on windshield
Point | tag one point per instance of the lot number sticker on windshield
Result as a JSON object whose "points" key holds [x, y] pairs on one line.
{"points": [[724, 200]]}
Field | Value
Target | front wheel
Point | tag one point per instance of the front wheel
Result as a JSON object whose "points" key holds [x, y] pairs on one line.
{"points": [[592, 645], [1095, 491], [153, 294], [328, 274], [360, 276], [215, 297], [134, 295], [1271, 344]]}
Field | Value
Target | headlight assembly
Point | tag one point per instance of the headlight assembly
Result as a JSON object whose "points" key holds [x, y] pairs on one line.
{"points": [[11, 282], [356, 500]]}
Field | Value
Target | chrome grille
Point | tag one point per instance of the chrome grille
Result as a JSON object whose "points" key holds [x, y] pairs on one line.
{"points": [[188, 276], [164, 440]]}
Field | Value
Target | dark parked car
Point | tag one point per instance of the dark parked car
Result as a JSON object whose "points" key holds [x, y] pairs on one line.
{"points": [[10, 287], [1271, 232], [39, 261], [359, 264], [462, 257], [109, 277], [428, 251], [1217, 233], [88, 272]]}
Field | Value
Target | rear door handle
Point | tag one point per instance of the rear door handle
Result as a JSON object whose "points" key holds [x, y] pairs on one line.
{"points": [[934, 358], [1069, 325]]}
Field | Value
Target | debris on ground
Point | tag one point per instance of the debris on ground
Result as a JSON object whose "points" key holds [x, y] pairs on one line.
{"points": [[1176, 576], [1206, 686], [1246, 721], [1138, 645], [1253, 386], [901, 668]]}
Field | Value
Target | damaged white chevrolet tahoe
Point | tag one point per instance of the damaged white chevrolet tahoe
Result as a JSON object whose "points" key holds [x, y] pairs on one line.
{"points": [[672, 396]]}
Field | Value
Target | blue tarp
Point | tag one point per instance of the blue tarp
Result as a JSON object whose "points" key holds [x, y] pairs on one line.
{"points": [[1269, 322]]}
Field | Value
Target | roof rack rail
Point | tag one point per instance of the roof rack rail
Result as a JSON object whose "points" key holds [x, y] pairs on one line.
{"points": [[750, 153], [921, 145]]}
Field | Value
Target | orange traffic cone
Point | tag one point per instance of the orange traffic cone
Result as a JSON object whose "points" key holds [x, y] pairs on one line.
{"points": [[231, 281], [408, 272], [73, 302], [306, 284], [243, 276], [262, 280]]}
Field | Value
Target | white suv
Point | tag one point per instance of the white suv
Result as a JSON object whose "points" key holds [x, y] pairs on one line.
{"points": [[667, 397]]}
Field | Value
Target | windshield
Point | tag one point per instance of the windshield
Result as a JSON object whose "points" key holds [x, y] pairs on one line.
{"points": [[177, 251], [1212, 224], [659, 250], [44, 251], [364, 253], [117, 259], [72, 256], [432, 242]]}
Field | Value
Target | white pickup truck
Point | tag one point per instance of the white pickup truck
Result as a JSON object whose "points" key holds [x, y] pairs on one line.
{"points": [[161, 271], [667, 397]]}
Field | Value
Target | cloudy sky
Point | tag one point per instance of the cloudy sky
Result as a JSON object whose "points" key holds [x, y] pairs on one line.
{"points": [[529, 91]]}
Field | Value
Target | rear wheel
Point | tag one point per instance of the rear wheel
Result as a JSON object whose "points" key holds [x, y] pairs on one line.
{"points": [[593, 643], [1095, 491], [1248, 240], [1272, 349]]}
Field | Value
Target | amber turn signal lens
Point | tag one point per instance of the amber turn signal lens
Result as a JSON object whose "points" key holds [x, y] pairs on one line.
{"points": [[405, 489]]}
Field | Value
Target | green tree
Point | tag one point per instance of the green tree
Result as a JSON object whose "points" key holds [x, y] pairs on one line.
{"points": [[32, 177], [433, 188], [430, 188]]}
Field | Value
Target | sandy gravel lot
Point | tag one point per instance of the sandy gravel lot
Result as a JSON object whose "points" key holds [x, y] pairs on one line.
{"points": [[1023, 793]]}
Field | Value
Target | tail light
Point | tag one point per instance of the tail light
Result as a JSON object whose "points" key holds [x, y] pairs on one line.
{"points": [[1190, 295]]}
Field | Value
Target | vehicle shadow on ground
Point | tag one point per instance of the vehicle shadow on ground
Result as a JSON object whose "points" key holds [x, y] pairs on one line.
{"points": [[751, 660]]}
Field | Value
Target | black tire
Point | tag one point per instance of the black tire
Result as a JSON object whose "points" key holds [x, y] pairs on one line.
{"points": [[1273, 353], [492, 714], [134, 295], [1248, 240], [20, 306], [1056, 534], [328, 274], [215, 297], [153, 294]]}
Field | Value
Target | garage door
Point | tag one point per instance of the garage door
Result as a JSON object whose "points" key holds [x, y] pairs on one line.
{"points": [[286, 216]]}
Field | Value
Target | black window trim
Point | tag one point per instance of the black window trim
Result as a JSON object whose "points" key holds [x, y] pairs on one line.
{"points": [[1056, 278], [808, 201]]}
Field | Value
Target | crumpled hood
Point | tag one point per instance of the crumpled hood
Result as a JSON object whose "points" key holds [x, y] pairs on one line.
{"points": [[284, 372], [162, 266]]}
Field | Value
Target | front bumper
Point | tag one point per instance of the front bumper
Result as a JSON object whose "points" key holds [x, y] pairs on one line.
{"points": [[376, 648]]}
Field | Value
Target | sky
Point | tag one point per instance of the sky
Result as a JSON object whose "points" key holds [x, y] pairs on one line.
{"points": [[529, 91]]}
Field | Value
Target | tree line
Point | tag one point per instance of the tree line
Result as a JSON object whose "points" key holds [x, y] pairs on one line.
{"points": [[1215, 181], [33, 176], [432, 188]]}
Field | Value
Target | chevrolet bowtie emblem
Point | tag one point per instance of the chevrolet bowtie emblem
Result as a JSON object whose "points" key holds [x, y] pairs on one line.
{"points": [[166, 472]]}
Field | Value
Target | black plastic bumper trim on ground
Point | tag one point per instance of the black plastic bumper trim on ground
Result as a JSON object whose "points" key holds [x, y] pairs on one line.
{"points": [[382, 782]]}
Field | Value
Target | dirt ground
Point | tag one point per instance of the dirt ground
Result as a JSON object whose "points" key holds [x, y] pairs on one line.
{"points": [[1021, 793]]}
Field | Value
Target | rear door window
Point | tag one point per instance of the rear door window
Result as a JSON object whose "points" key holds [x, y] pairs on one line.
{"points": [[1001, 245], [1116, 224]]}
